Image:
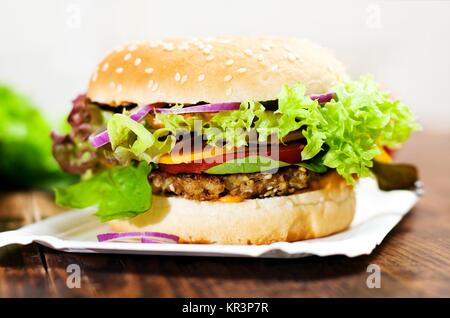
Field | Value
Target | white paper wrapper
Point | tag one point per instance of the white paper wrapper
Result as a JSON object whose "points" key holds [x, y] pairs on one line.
{"points": [[376, 214]]}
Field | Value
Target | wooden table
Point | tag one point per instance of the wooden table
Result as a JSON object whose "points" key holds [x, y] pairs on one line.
{"points": [[414, 258]]}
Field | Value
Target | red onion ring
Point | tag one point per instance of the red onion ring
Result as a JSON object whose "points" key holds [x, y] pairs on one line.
{"points": [[145, 237], [102, 138], [141, 112], [323, 98], [208, 108]]}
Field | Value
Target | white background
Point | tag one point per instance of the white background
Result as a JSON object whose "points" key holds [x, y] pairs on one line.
{"points": [[49, 48]]}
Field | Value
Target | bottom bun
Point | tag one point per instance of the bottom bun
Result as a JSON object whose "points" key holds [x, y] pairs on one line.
{"points": [[312, 214]]}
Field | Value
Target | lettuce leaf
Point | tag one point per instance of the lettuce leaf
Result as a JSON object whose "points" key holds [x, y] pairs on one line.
{"points": [[351, 128], [131, 140], [315, 164], [122, 129], [119, 192], [234, 128]]}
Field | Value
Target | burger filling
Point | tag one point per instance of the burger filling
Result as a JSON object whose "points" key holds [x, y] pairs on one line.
{"points": [[228, 151]]}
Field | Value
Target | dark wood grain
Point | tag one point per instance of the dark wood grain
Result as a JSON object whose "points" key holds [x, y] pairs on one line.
{"points": [[414, 258]]}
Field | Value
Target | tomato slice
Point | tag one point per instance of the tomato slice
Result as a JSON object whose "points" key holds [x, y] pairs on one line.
{"points": [[290, 153]]}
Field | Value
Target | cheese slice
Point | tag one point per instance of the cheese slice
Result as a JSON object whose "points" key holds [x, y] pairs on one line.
{"points": [[207, 152]]}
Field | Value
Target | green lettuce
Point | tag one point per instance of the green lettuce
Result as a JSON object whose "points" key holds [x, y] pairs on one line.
{"points": [[131, 140], [351, 128], [315, 164], [120, 192], [26, 159], [235, 127]]}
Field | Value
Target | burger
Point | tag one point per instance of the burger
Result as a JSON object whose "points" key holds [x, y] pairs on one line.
{"points": [[229, 140]]}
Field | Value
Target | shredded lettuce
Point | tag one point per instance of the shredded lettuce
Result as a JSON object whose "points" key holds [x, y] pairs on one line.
{"points": [[119, 192]]}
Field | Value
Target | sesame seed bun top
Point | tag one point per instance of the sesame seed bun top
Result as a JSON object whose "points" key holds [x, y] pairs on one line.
{"points": [[212, 70]]}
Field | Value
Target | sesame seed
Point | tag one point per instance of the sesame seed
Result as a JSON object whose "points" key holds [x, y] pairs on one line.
{"points": [[227, 78], [155, 87], [207, 51], [177, 76], [291, 57], [137, 61], [150, 83], [224, 41], [229, 62], [149, 70], [119, 88], [201, 77], [210, 57], [132, 47], [288, 48], [266, 47], [94, 76], [184, 79], [105, 67], [199, 44], [248, 52], [274, 67], [241, 70], [127, 57], [229, 91], [112, 85], [259, 57], [119, 70], [168, 46]]}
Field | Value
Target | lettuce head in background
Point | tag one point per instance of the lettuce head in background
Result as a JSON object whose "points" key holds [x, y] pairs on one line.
{"points": [[26, 159]]}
